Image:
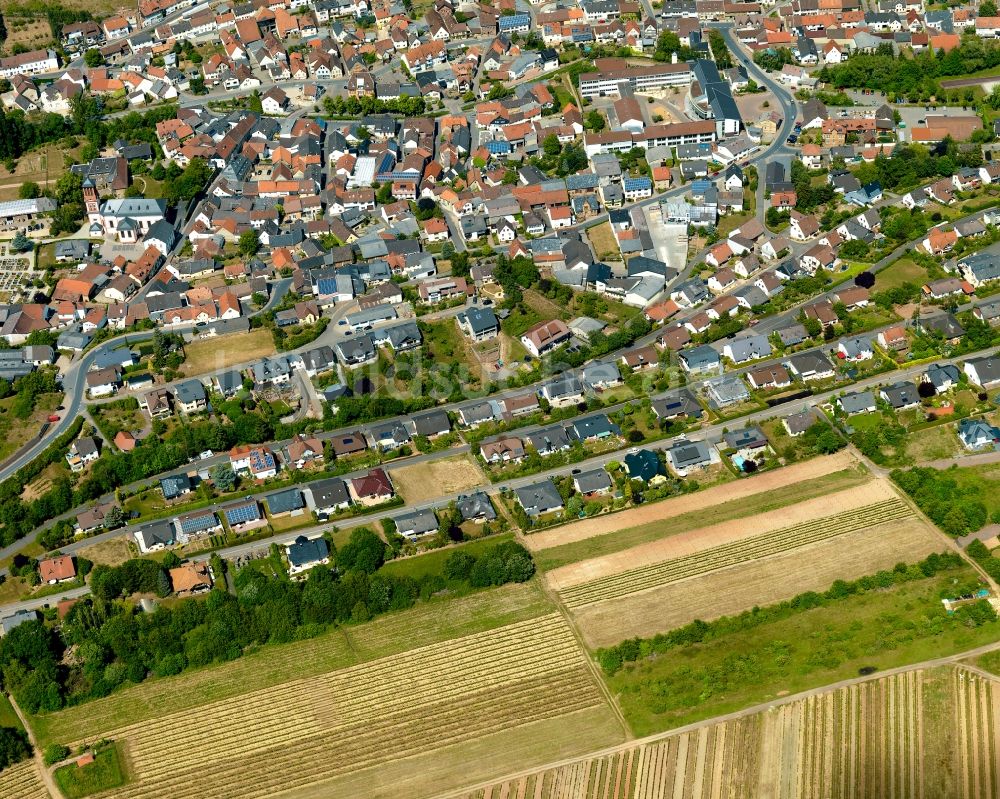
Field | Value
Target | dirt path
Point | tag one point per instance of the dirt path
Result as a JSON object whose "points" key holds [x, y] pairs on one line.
{"points": [[43, 770], [681, 544], [700, 500]]}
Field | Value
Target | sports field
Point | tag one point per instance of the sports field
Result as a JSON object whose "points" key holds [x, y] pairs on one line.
{"points": [[891, 737]]}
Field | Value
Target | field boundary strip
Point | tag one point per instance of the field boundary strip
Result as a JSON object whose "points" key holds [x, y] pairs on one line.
{"points": [[761, 546]]}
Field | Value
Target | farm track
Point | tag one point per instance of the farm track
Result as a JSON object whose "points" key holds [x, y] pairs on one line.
{"points": [[720, 557], [309, 731], [860, 741], [22, 781]]}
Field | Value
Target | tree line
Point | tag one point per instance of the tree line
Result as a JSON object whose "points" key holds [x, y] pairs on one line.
{"points": [[911, 77], [115, 644]]}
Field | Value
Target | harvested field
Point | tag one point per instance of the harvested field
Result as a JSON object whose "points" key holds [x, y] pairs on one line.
{"points": [[306, 732], [218, 352], [23, 781], [865, 740], [425, 624], [438, 478], [828, 473], [655, 553], [731, 590]]}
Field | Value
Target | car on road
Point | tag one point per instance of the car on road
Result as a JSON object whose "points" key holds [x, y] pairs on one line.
{"points": [[792, 139], [206, 454]]}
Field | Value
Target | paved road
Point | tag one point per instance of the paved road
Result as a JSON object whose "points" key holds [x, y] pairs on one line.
{"points": [[711, 434]]}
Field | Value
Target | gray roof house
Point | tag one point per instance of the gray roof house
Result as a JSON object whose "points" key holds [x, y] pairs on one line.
{"points": [[978, 434], [329, 496], [538, 498], [859, 402], [156, 535], [700, 359], [983, 371], [476, 507], [942, 376], [601, 375], [748, 348], [685, 456], [901, 395], [797, 423], [304, 553], [549, 439], [596, 426], [430, 423], [287, 501], [727, 390], [596, 481], [8, 623], [416, 523], [681, 403]]}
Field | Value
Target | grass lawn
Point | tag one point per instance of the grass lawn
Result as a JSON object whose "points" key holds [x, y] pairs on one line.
{"points": [[730, 222], [896, 274], [8, 718], [218, 352], [521, 318], [444, 342], [151, 188], [617, 540], [15, 432], [603, 240], [107, 771], [285, 522], [933, 443], [881, 629], [432, 562], [427, 623]]}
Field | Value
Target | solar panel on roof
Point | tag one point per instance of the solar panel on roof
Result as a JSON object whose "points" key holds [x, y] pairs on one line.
{"points": [[242, 513]]}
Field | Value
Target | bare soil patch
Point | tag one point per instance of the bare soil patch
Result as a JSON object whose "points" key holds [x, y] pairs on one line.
{"points": [[439, 478], [218, 352], [688, 543], [701, 500], [759, 582], [112, 552]]}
